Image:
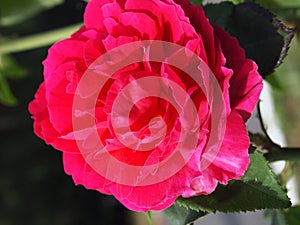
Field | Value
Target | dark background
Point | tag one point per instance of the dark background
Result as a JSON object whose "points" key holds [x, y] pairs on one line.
{"points": [[33, 186]]}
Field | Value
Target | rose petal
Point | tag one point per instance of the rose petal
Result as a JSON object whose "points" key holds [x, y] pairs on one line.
{"points": [[142, 23], [246, 83], [112, 23], [58, 101], [42, 126], [61, 52], [93, 16], [82, 173]]}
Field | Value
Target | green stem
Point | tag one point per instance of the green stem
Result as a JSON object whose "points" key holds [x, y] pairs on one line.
{"points": [[149, 217], [288, 154], [275, 151], [37, 40]]}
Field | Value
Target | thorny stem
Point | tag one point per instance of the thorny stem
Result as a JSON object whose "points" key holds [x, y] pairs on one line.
{"points": [[274, 151], [288, 154], [149, 217], [264, 128]]}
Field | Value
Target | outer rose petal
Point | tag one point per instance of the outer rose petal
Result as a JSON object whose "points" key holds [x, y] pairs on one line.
{"points": [[38, 110], [42, 125], [231, 162], [159, 196], [82, 173], [203, 28], [233, 159], [61, 52], [93, 16], [246, 83], [62, 67]]}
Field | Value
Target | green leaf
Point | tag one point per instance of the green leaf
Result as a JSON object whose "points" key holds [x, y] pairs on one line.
{"points": [[293, 215], [264, 38], [178, 215], [237, 1], [288, 3], [258, 189], [289, 10], [6, 96], [10, 68], [219, 14], [196, 2], [13, 12], [257, 36], [273, 80], [149, 217]]}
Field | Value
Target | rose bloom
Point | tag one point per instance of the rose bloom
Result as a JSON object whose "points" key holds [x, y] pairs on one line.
{"points": [[112, 23]]}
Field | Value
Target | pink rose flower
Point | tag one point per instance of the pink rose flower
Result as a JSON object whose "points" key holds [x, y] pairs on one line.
{"points": [[112, 23]]}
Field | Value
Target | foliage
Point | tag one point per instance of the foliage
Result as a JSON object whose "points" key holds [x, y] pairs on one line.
{"points": [[258, 189], [264, 38], [13, 12]]}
